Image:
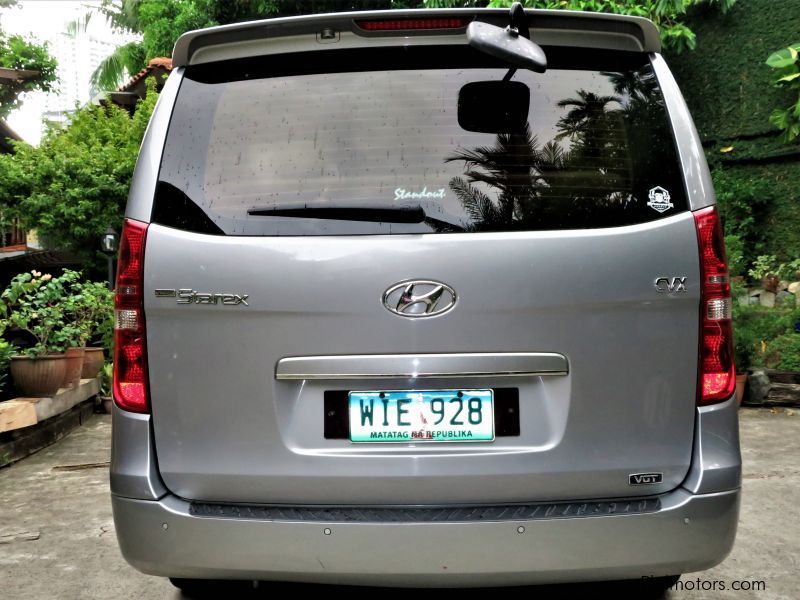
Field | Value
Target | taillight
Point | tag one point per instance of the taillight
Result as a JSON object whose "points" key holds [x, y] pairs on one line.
{"points": [[130, 350], [414, 24], [716, 370]]}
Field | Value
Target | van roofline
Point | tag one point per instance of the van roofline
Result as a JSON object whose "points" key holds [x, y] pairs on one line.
{"points": [[607, 30]]}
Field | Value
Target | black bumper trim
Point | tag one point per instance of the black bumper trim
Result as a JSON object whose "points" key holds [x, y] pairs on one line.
{"points": [[372, 514]]}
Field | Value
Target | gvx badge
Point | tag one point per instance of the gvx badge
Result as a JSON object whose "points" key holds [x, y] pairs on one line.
{"points": [[671, 285]]}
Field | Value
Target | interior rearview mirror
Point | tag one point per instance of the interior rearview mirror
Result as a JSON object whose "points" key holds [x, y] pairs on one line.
{"points": [[494, 106], [507, 45]]}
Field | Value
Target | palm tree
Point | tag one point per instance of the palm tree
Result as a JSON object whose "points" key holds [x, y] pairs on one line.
{"points": [[517, 168], [123, 16], [588, 110]]}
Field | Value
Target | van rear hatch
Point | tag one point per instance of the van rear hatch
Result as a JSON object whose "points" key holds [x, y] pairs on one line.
{"points": [[301, 193]]}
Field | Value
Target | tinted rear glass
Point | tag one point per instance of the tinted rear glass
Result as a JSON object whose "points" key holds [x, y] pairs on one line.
{"points": [[379, 129]]}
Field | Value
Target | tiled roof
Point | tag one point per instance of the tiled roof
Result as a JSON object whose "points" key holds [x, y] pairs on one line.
{"points": [[162, 62]]}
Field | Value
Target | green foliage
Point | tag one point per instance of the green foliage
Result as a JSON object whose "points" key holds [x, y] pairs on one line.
{"points": [[16, 52], [762, 266], [725, 82], [760, 203], [6, 352], [91, 306], [106, 381], [33, 302], [767, 264], [128, 58], [746, 341], [75, 184], [734, 247], [59, 312], [740, 203], [784, 353], [787, 64], [755, 328]]}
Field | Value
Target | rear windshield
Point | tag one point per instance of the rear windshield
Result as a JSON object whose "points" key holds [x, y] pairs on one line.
{"points": [[356, 142]]}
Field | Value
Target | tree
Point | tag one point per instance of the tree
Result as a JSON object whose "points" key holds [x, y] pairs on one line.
{"points": [[76, 182], [17, 52]]}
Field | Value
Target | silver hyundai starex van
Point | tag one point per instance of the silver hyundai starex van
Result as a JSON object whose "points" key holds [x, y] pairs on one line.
{"points": [[423, 298]]}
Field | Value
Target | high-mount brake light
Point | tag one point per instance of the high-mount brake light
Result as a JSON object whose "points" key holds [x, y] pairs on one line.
{"points": [[413, 24], [130, 348], [716, 369]]}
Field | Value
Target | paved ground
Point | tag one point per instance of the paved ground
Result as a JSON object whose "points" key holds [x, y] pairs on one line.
{"points": [[57, 536]]}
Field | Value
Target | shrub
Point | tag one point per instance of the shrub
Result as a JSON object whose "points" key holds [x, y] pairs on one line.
{"points": [[784, 352], [75, 184], [755, 329]]}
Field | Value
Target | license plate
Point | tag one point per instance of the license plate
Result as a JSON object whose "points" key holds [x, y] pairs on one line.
{"points": [[422, 416]]}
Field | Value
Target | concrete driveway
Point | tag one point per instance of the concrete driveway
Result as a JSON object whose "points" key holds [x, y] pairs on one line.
{"points": [[57, 536]]}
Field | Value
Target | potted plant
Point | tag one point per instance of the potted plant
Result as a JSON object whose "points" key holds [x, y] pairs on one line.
{"points": [[31, 303], [91, 310], [69, 337], [105, 387]]}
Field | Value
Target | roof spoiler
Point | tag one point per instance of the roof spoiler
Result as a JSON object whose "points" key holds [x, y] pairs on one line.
{"points": [[549, 27]]}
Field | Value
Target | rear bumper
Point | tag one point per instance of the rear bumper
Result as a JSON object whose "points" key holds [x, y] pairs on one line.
{"points": [[689, 533], [693, 528]]}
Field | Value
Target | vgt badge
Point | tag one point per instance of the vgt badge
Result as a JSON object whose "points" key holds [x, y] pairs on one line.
{"points": [[645, 478], [419, 298]]}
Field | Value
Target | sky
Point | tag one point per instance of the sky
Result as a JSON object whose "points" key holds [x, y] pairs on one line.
{"points": [[44, 20]]}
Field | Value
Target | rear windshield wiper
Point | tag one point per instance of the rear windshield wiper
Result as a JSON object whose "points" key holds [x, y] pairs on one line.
{"points": [[397, 214], [403, 214]]}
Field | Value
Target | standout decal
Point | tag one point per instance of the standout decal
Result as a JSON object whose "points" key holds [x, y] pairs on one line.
{"points": [[425, 194]]}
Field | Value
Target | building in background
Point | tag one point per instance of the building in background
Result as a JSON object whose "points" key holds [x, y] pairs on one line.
{"points": [[78, 56]]}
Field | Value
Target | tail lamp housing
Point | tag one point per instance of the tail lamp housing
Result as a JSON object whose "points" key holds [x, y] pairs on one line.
{"points": [[716, 373], [130, 347]]}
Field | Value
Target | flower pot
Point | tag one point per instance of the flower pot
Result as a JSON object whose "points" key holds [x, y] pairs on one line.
{"points": [[39, 376], [92, 363], [72, 377], [771, 282], [741, 381]]}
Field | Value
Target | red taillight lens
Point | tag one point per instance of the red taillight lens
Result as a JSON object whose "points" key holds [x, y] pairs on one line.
{"points": [[130, 351], [716, 369], [414, 24]]}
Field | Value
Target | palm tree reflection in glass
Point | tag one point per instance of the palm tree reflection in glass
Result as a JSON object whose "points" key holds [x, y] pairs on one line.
{"points": [[605, 150]]}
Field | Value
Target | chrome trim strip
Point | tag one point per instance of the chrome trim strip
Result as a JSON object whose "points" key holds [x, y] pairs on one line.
{"points": [[412, 366]]}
